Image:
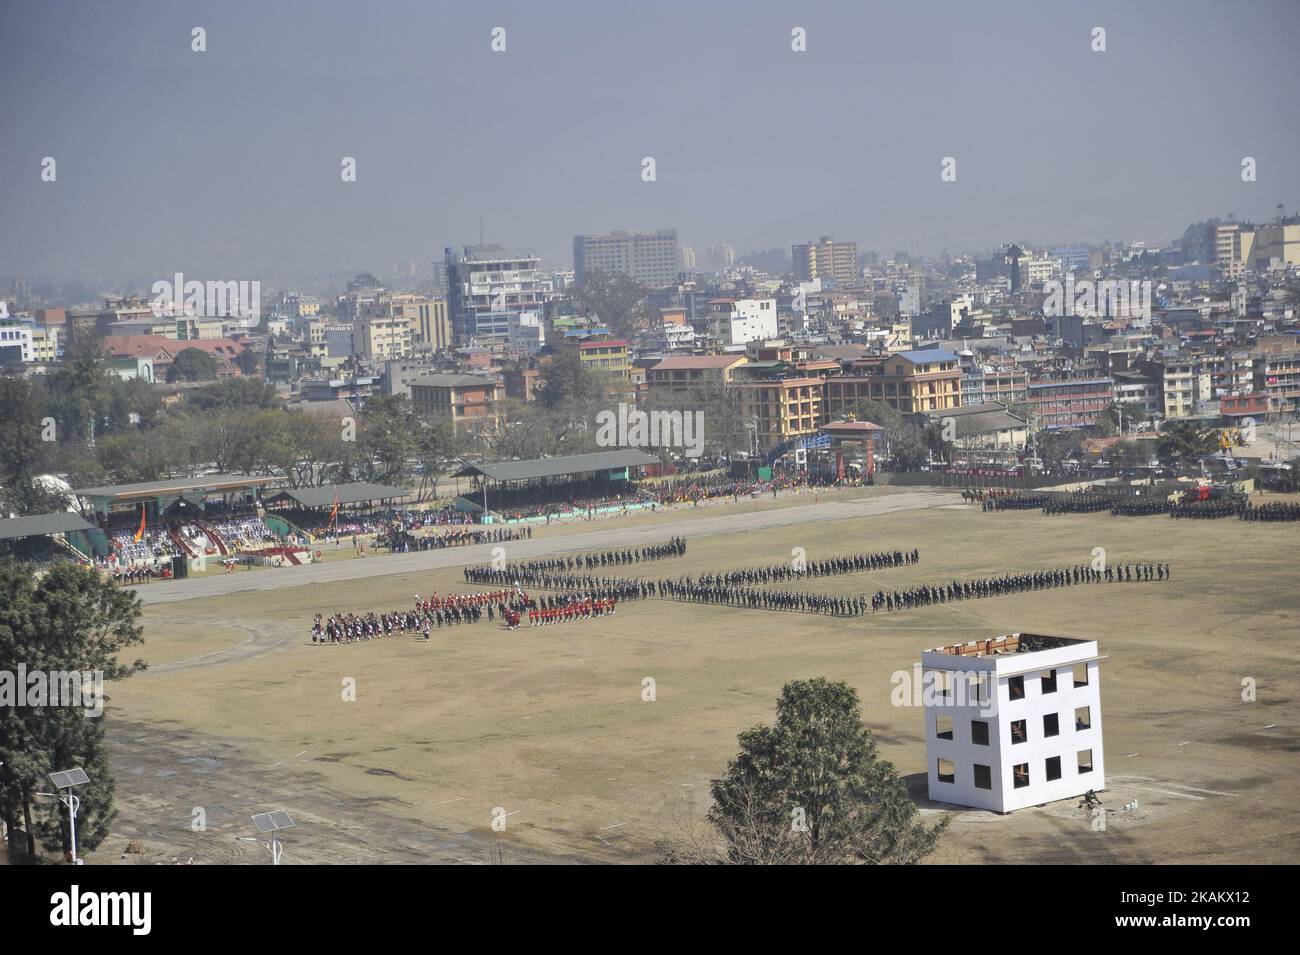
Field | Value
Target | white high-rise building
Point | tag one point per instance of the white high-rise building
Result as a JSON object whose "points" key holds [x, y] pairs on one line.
{"points": [[1013, 722]]}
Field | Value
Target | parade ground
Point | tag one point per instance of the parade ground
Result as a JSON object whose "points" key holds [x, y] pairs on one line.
{"points": [[405, 750]]}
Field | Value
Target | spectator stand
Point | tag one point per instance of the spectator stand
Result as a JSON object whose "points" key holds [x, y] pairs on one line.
{"points": [[546, 488]]}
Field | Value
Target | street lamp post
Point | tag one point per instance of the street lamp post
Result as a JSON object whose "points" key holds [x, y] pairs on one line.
{"points": [[65, 781]]}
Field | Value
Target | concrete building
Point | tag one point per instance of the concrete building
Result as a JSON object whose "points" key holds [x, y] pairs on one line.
{"points": [[985, 427], [1234, 248], [489, 288], [678, 376], [606, 357], [380, 334], [650, 258], [1277, 244], [15, 342], [908, 381], [426, 317], [781, 408], [1277, 373], [1013, 722], [1069, 402], [828, 260], [739, 321], [1138, 395], [466, 402]]}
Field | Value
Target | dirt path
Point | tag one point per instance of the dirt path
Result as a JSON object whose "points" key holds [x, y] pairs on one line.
{"points": [[612, 537]]}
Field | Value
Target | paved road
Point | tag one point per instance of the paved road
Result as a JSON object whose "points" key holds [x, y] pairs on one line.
{"points": [[605, 538]]}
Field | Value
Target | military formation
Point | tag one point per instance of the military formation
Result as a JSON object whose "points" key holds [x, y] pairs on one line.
{"points": [[830, 567], [888, 601], [1275, 511], [525, 571], [1206, 510]]}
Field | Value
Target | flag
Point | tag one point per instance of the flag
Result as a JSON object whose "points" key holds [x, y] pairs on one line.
{"points": [[140, 533], [334, 511]]}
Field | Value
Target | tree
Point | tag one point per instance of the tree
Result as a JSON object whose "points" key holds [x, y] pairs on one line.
{"points": [[565, 378], [616, 299], [812, 789], [234, 393], [77, 392], [193, 364], [23, 452], [250, 362], [1183, 442], [72, 621], [908, 446]]}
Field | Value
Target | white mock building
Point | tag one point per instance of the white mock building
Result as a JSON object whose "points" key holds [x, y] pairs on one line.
{"points": [[747, 320], [1013, 722]]}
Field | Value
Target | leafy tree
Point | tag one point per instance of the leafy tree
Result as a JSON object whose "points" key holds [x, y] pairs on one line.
{"points": [[77, 391], [564, 378], [616, 299], [250, 362], [812, 789], [23, 453], [193, 364], [1183, 442], [387, 440], [71, 621], [908, 447], [234, 393]]}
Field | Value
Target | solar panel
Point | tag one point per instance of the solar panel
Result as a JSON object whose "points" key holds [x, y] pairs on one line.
{"points": [[271, 821], [70, 777]]}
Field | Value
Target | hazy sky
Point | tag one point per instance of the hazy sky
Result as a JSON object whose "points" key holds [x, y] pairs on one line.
{"points": [[228, 162]]}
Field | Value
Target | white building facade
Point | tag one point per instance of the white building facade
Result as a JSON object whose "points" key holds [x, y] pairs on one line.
{"points": [[1013, 722]]}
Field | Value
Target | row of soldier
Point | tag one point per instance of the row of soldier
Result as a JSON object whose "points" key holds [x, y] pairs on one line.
{"points": [[530, 569], [829, 567], [1273, 511]]}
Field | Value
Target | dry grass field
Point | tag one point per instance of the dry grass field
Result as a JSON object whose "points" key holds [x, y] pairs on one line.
{"points": [[240, 713]]}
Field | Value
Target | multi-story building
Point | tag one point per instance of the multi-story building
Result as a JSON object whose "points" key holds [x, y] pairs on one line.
{"points": [[489, 289], [675, 378], [381, 334], [427, 317], [781, 408], [650, 258], [1277, 373], [739, 321], [47, 343], [606, 357], [908, 381], [1013, 722], [1138, 394], [466, 402], [1178, 387], [828, 260], [1005, 385], [1277, 243], [1069, 402], [363, 290], [15, 342], [1234, 247]]}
